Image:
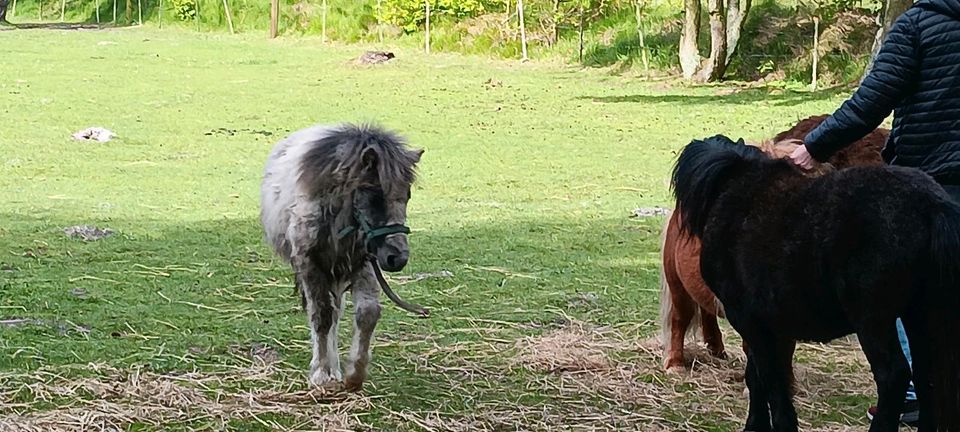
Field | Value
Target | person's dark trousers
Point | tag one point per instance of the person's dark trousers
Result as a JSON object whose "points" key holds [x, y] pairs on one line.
{"points": [[3, 10]]}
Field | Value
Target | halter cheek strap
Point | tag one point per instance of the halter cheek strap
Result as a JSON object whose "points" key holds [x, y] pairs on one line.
{"points": [[369, 233]]}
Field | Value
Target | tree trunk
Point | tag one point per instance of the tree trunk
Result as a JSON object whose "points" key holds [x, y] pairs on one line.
{"points": [[556, 27], [689, 46], [716, 64], [380, 21], [274, 17], [129, 12], [226, 10], [523, 31], [816, 52], [323, 21], [643, 45], [580, 30], [426, 43], [891, 10], [737, 11]]}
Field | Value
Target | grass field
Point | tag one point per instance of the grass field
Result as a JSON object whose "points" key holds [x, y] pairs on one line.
{"points": [[183, 320]]}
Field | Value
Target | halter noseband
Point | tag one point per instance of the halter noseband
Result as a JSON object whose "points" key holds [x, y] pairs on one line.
{"points": [[369, 233]]}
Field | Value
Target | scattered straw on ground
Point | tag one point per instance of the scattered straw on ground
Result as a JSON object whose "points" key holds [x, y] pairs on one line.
{"points": [[114, 399], [624, 372], [571, 376]]}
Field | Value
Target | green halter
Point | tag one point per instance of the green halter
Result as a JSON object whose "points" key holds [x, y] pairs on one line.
{"points": [[369, 233]]}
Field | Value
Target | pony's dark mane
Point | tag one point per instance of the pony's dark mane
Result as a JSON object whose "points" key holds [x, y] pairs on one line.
{"points": [[336, 162], [700, 171]]}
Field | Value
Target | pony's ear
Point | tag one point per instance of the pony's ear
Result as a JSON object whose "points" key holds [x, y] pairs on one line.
{"points": [[741, 142], [369, 158], [416, 155]]}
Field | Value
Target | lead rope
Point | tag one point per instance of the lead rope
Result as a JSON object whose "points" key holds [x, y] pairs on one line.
{"points": [[409, 307]]}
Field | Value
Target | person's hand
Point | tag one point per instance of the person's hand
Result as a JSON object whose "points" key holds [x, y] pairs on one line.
{"points": [[801, 157]]}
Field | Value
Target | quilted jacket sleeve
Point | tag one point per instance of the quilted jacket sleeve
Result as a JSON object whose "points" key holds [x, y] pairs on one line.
{"points": [[894, 76]]}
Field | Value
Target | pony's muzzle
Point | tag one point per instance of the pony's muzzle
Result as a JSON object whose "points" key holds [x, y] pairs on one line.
{"points": [[394, 253]]}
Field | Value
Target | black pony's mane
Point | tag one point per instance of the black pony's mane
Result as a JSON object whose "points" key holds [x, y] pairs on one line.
{"points": [[701, 171]]}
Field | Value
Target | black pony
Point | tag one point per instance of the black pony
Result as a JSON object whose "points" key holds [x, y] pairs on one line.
{"points": [[794, 258]]}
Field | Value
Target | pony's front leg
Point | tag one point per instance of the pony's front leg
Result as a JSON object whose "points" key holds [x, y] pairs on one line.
{"points": [[323, 303], [758, 416], [780, 389], [365, 292]]}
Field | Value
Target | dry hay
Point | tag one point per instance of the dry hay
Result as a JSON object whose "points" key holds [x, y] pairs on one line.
{"points": [[114, 399], [574, 376], [625, 372]]}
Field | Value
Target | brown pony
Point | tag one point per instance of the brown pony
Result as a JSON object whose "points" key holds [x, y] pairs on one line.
{"points": [[685, 299]]}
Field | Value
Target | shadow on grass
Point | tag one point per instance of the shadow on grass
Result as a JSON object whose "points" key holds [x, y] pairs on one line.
{"points": [[150, 271], [747, 96], [182, 296], [59, 26]]}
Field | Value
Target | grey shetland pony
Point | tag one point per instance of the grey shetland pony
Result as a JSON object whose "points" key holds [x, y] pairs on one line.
{"points": [[334, 205]]}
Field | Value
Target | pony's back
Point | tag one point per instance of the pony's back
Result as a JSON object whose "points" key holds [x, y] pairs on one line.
{"points": [[278, 191], [866, 151]]}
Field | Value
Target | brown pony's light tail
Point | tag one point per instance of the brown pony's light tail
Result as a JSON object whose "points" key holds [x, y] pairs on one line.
{"points": [[666, 301]]}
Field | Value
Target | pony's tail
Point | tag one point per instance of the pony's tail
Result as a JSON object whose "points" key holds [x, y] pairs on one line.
{"points": [[666, 299], [699, 173], [943, 321]]}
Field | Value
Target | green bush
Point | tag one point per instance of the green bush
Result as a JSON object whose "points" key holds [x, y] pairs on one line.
{"points": [[411, 14], [184, 10]]}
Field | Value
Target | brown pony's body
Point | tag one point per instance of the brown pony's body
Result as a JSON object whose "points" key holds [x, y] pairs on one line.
{"points": [[685, 299]]}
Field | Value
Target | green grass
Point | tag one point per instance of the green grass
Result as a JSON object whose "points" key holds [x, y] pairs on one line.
{"points": [[535, 175]]}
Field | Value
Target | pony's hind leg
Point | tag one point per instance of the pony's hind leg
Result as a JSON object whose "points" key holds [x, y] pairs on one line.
{"points": [[677, 308], [891, 372], [681, 315], [917, 334], [711, 334], [365, 294]]}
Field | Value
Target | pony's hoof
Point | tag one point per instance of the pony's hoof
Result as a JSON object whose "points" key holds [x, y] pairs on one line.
{"points": [[676, 369], [352, 384], [325, 378]]}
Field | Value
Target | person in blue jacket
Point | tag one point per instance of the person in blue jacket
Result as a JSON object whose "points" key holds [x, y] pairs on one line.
{"points": [[916, 75]]}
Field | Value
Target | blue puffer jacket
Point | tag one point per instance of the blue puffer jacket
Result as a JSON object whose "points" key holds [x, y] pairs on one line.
{"points": [[917, 76]]}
